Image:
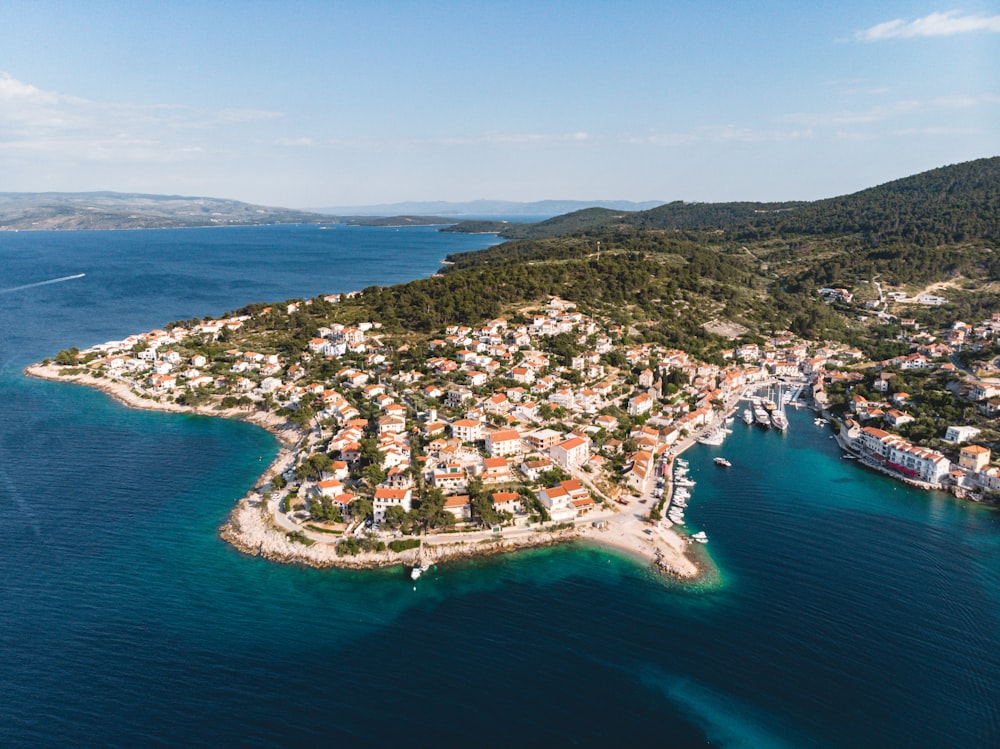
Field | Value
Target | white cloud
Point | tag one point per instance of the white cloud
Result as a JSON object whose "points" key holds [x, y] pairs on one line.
{"points": [[495, 137], [888, 111], [947, 23], [714, 134], [43, 124], [296, 142], [14, 91], [937, 132]]}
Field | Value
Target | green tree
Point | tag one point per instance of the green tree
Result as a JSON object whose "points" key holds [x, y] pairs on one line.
{"points": [[67, 357], [395, 516]]}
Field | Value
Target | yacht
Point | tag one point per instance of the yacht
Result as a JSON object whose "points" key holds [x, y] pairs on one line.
{"points": [[416, 572], [779, 420], [762, 417], [701, 537], [748, 416], [714, 438], [720, 461]]}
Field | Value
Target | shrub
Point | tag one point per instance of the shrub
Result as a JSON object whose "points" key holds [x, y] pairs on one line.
{"points": [[402, 544]]}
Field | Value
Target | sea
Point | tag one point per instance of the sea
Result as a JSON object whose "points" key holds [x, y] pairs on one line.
{"points": [[841, 609]]}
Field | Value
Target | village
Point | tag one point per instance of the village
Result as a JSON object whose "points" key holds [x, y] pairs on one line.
{"points": [[556, 421]]}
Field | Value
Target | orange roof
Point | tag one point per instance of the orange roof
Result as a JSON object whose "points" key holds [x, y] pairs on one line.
{"points": [[383, 493], [501, 497]]}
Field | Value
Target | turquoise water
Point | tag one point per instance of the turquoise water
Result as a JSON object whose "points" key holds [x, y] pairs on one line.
{"points": [[848, 610]]}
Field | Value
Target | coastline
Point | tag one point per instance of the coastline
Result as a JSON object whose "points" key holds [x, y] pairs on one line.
{"points": [[252, 526]]}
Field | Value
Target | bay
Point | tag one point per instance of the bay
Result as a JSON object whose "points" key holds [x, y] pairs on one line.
{"points": [[847, 610]]}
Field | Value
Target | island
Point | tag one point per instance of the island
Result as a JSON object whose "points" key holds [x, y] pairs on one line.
{"points": [[543, 390]]}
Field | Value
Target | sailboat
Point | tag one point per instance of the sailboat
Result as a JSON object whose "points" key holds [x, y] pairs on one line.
{"points": [[778, 418]]}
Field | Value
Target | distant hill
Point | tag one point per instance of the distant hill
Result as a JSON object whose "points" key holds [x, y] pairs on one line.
{"points": [[558, 226], [392, 220], [946, 205], [110, 210], [479, 208], [669, 271]]}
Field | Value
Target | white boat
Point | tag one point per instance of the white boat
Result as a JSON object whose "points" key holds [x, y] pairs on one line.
{"points": [[778, 418], [714, 438], [416, 572], [761, 416], [720, 461], [701, 537]]}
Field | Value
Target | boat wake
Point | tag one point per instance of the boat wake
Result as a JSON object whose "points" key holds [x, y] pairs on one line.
{"points": [[41, 283]]}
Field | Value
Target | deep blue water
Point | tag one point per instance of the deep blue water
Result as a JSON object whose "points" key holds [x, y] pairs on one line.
{"points": [[847, 610]]}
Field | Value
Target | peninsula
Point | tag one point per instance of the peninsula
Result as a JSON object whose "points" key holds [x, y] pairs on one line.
{"points": [[542, 390], [67, 211]]}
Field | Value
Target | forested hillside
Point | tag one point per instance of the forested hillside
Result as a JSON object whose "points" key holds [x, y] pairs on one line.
{"points": [[756, 270]]}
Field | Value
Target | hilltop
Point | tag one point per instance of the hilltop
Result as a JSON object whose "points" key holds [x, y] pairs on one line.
{"points": [[458, 210], [949, 204], [47, 211]]}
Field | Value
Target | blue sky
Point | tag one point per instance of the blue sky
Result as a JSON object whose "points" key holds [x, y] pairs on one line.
{"points": [[345, 103]]}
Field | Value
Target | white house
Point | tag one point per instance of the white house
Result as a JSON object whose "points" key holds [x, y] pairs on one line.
{"points": [[504, 442], [386, 498], [571, 453]]}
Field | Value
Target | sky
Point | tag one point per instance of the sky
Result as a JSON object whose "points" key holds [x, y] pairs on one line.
{"points": [[314, 104]]}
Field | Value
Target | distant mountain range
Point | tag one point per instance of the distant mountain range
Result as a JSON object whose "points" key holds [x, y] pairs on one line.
{"points": [[26, 211], [536, 209]]}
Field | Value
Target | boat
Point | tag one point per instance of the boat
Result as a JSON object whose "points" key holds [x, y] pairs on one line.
{"points": [[761, 416], [779, 420], [701, 537], [720, 461], [714, 438], [416, 572], [748, 416]]}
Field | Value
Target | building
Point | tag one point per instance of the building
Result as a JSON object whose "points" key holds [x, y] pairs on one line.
{"points": [[974, 458], [960, 434], [504, 442], [570, 454], [543, 439], [640, 404], [458, 505], [558, 502], [467, 430], [386, 498], [506, 501]]}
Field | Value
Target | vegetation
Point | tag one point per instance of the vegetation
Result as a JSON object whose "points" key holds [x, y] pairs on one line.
{"points": [[402, 544]]}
